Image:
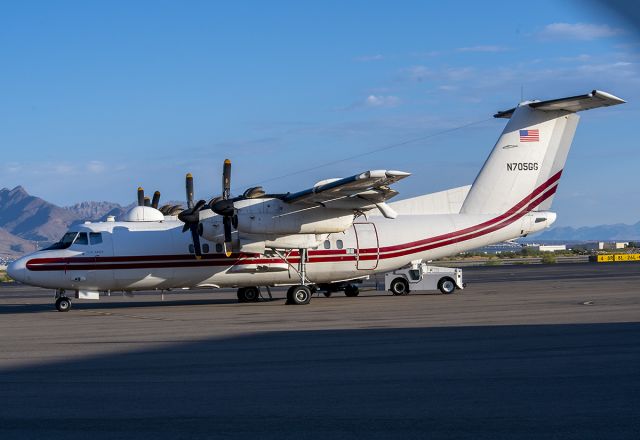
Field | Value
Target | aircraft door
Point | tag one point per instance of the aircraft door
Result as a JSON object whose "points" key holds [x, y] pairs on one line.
{"points": [[368, 252]]}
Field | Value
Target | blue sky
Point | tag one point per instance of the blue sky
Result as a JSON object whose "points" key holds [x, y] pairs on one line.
{"points": [[97, 98]]}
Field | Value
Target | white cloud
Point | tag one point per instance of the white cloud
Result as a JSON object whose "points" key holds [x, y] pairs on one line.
{"points": [[95, 166], [418, 73], [448, 74], [381, 101], [62, 168], [366, 58], [577, 58], [578, 31], [482, 48]]}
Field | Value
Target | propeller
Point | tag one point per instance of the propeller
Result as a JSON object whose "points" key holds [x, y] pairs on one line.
{"points": [[189, 188], [156, 200], [191, 216], [225, 207]]}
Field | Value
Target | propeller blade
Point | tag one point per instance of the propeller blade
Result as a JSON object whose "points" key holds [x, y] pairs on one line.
{"points": [[191, 219], [227, 235], [196, 240], [226, 179], [140, 196], [189, 188], [156, 200], [147, 201], [199, 205], [175, 210], [223, 207]]}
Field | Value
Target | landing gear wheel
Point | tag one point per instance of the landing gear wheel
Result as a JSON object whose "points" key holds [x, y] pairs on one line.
{"points": [[351, 290], [298, 295], [399, 287], [63, 304], [248, 294], [446, 286]]}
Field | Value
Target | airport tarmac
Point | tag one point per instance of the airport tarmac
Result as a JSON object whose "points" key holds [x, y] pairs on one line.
{"points": [[522, 352]]}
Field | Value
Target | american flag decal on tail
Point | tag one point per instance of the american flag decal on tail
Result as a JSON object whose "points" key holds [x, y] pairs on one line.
{"points": [[529, 135]]}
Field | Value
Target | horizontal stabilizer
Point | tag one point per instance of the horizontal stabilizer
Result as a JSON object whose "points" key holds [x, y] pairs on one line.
{"points": [[591, 100]]}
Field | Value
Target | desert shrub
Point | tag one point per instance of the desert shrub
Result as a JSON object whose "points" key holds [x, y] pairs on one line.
{"points": [[548, 258]]}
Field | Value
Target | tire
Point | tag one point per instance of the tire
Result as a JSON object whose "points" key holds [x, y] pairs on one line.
{"points": [[248, 294], [299, 295], [399, 287], [63, 304], [351, 291], [447, 285], [327, 293]]}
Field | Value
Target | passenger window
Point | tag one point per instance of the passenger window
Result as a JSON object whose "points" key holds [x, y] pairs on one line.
{"points": [[339, 244], [192, 250], [327, 244], [82, 239], [95, 238], [218, 248], [205, 248]]}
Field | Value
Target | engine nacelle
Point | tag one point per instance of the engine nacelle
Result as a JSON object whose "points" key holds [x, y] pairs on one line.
{"points": [[259, 244], [213, 231], [273, 217]]}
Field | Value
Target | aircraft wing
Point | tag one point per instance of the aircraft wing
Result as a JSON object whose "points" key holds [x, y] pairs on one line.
{"points": [[360, 192]]}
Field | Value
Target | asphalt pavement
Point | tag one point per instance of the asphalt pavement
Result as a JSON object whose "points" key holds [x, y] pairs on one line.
{"points": [[524, 352]]}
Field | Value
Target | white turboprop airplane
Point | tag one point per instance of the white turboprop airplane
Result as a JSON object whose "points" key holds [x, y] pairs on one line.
{"points": [[339, 231]]}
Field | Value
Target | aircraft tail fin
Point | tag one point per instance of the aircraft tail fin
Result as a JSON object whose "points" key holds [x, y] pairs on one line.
{"points": [[525, 165]]}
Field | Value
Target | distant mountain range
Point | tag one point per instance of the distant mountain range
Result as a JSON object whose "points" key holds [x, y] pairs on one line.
{"points": [[617, 232], [28, 221]]}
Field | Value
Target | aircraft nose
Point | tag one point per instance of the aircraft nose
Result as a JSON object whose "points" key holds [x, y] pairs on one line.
{"points": [[17, 270]]}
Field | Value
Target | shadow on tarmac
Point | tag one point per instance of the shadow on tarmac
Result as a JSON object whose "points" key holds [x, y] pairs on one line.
{"points": [[94, 305], [546, 381]]}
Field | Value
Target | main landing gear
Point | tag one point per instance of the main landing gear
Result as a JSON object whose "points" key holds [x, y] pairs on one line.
{"points": [[300, 294], [248, 294], [63, 303], [349, 289]]}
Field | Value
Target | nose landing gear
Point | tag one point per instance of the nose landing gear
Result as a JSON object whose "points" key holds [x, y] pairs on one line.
{"points": [[63, 303]]}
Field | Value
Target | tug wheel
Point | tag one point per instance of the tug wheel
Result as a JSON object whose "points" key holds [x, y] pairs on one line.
{"points": [[399, 287], [446, 285]]}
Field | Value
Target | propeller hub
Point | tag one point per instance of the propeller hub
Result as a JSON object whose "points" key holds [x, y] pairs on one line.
{"points": [[223, 207]]}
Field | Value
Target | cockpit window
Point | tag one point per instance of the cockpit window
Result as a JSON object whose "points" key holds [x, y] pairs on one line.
{"points": [[95, 238], [82, 239], [64, 242]]}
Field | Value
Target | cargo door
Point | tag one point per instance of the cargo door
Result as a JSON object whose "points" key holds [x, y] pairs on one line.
{"points": [[367, 252]]}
